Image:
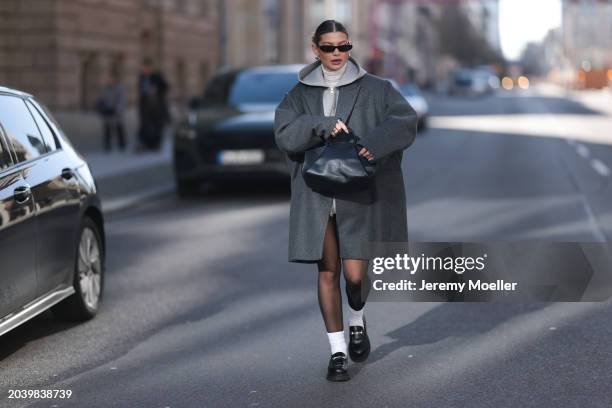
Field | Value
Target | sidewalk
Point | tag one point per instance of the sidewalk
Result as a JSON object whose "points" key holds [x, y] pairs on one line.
{"points": [[116, 162], [596, 99], [126, 178]]}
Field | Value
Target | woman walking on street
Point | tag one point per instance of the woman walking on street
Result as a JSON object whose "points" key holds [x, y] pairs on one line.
{"points": [[334, 230]]}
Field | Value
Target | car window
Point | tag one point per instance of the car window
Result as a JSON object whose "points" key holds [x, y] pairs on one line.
{"points": [[53, 123], [20, 128], [217, 89], [43, 127], [5, 155], [261, 87]]}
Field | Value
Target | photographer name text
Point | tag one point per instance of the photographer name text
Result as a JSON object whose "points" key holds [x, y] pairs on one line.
{"points": [[459, 265], [423, 285]]}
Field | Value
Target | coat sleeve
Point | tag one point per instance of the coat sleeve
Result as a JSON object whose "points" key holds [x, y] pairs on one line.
{"points": [[296, 132], [397, 131]]}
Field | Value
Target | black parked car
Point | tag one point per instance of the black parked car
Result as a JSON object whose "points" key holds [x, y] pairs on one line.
{"points": [[229, 133], [51, 225]]}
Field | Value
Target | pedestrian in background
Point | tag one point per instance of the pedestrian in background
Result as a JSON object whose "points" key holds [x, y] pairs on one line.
{"points": [[152, 106], [110, 105], [334, 230]]}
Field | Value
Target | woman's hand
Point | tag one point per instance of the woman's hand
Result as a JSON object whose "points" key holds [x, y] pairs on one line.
{"points": [[366, 153], [339, 126]]}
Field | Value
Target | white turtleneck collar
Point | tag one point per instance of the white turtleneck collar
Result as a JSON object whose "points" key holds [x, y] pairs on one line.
{"points": [[313, 75], [333, 77]]}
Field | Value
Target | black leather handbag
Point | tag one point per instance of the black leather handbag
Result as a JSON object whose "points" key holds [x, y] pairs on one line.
{"points": [[336, 167]]}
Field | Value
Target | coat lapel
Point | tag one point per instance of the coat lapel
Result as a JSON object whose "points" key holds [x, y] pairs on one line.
{"points": [[314, 100], [346, 100]]}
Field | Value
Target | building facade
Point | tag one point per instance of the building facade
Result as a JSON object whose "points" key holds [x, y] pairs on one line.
{"points": [[484, 16], [587, 43], [63, 50], [398, 39], [587, 33]]}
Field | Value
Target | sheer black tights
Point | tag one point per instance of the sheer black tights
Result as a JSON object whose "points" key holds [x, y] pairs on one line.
{"points": [[330, 298]]}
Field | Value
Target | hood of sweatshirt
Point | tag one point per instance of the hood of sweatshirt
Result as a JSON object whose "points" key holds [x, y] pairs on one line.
{"points": [[312, 74]]}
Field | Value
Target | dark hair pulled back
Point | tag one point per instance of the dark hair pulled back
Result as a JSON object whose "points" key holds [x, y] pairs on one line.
{"points": [[328, 26]]}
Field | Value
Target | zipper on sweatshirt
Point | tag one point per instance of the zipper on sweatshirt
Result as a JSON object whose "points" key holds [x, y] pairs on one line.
{"points": [[333, 93]]}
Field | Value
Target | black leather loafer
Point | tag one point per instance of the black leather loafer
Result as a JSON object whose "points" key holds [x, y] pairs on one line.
{"points": [[359, 344], [337, 368]]}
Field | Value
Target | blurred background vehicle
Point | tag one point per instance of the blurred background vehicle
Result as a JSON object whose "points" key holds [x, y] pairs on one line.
{"points": [[229, 132], [473, 82], [51, 224], [415, 98]]}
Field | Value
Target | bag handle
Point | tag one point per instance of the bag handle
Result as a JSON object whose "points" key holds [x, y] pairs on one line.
{"points": [[341, 137]]}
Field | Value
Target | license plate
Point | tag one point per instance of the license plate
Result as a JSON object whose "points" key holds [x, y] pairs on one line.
{"points": [[250, 156]]}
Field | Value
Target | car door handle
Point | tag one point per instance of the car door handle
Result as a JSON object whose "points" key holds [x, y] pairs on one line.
{"points": [[67, 173], [22, 194]]}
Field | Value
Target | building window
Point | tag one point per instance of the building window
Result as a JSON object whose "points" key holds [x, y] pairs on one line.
{"points": [[181, 6], [204, 75], [181, 85], [203, 8], [117, 66], [271, 33], [89, 80]]}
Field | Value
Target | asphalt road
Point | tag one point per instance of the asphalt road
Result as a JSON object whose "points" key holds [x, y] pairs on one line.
{"points": [[202, 309]]}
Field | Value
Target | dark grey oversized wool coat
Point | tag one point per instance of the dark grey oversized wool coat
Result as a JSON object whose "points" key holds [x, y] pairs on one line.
{"points": [[386, 125]]}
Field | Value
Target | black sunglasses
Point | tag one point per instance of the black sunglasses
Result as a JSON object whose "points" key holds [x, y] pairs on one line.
{"points": [[331, 48]]}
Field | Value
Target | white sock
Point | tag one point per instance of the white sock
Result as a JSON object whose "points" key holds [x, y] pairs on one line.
{"points": [[337, 342], [355, 317]]}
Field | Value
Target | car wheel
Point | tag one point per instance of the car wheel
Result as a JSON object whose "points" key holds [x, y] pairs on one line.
{"points": [[88, 278], [187, 188]]}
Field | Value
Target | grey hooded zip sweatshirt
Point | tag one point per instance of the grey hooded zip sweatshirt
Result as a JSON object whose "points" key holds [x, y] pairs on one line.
{"points": [[313, 75]]}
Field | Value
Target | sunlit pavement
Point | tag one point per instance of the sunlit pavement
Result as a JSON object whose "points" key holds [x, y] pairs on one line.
{"points": [[202, 308]]}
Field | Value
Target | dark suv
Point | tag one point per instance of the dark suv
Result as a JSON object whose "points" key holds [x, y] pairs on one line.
{"points": [[229, 132], [51, 225]]}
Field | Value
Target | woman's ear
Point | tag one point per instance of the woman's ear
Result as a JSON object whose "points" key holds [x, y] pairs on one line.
{"points": [[314, 51]]}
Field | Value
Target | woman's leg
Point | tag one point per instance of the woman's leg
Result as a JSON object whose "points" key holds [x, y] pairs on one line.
{"points": [[330, 297], [357, 290], [355, 276], [330, 302]]}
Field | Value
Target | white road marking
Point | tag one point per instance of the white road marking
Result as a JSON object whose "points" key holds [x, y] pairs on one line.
{"points": [[600, 168], [582, 150], [596, 164], [600, 236]]}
